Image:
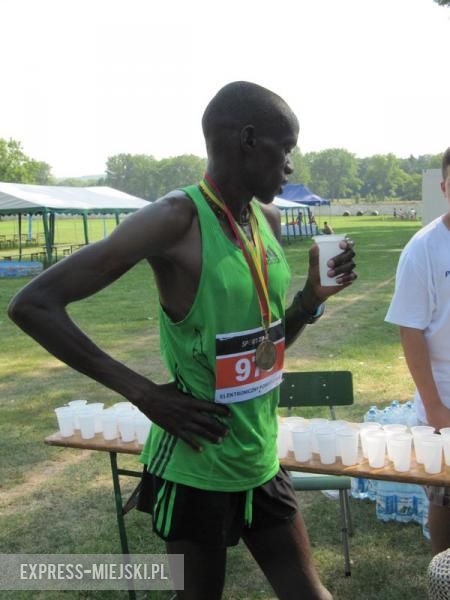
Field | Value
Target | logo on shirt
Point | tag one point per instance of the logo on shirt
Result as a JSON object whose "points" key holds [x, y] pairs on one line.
{"points": [[271, 256]]}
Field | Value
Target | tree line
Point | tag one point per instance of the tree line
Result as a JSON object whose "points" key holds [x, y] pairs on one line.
{"points": [[333, 173]]}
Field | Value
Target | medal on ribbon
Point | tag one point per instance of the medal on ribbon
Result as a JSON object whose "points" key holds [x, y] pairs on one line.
{"points": [[255, 256]]}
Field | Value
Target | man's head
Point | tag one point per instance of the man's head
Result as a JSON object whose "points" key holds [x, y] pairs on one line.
{"points": [[445, 184], [252, 130]]}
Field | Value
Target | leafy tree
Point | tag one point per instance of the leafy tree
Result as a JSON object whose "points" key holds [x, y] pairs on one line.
{"points": [[382, 176], [17, 167], [443, 2], [334, 173], [300, 166], [146, 177]]}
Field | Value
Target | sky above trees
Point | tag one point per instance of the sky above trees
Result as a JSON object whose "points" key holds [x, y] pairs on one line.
{"points": [[85, 80]]}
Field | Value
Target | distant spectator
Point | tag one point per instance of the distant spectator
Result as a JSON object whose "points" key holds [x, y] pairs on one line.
{"points": [[395, 213], [327, 229]]}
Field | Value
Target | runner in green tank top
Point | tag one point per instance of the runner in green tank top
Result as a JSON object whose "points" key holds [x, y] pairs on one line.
{"points": [[212, 470]]}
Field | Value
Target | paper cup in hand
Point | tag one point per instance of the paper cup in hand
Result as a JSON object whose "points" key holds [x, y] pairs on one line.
{"points": [[328, 248]]}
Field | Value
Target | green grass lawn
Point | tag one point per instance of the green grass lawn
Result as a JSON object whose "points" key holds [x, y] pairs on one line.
{"points": [[57, 500]]}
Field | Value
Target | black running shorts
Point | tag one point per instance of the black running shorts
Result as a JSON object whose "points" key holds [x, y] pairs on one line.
{"points": [[218, 519]]}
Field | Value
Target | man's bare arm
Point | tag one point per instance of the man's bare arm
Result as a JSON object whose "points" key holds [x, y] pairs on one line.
{"points": [[418, 360], [40, 310]]}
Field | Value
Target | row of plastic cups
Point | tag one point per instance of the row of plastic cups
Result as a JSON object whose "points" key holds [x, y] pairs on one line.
{"points": [[397, 443], [329, 439], [122, 420]]}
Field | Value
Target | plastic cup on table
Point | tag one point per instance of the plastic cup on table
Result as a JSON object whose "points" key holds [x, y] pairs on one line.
{"points": [[328, 248], [418, 431], [293, 422], [142, 425], [391, 430], [109, 424], [316, 424], [123, 406], [76, 405], [125, 424], [64, 414], [283, 439], [431, 447], [446, 446], [347, 444], [326, 443], [376, 447], [301, 441], [97, 409], [363, 431], [400, 447], [86, 419]]}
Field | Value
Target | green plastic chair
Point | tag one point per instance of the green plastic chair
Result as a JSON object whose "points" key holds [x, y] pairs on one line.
{"points": [[322, 388]]}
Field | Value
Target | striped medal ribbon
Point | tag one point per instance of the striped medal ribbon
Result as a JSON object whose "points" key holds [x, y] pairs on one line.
{"points": [[255, 256]]}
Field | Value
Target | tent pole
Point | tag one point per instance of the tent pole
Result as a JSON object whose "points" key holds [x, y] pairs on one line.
{"points": [[48, 244], [117, 218], [30, 227], [20, 235], [52, 228], [85, 227]]}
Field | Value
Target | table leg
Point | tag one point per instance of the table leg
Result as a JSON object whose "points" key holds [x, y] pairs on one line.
{"points": [[119, 512]]}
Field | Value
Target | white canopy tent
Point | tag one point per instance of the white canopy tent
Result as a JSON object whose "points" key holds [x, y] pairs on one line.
{"points": [[294, 226], [46, 200]]}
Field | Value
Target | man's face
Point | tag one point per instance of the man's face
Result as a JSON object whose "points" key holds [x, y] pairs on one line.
{"points": [[268, 165], [445, 185]]}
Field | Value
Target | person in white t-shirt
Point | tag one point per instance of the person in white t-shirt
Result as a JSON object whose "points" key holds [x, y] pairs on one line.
{"points": [[421, 307]]}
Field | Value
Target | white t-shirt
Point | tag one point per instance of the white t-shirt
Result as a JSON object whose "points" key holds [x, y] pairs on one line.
{"points": [[422, 299]]}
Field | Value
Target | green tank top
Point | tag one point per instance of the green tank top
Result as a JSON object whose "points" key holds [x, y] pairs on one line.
{"points": [[210, 353]]}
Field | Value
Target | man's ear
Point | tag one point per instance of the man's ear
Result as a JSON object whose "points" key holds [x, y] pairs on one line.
{"points": [[248, 138], [443, 187]]}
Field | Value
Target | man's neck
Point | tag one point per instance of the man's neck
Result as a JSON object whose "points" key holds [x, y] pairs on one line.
{"points": [[232, 192]]}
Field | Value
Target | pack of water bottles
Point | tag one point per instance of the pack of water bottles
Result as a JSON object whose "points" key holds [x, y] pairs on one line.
{"points": [[403, 502]]}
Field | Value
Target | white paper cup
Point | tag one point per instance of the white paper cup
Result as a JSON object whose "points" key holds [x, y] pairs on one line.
{"points": [[76, 405], [86, 419], [446, 445], [125, 423], [376, 446], [364, 429], [142, 425], [328, 248], [122, 406], [400, 448], [431, 446], [418, 432], [64, 414], [283, 439], [315, 425], [390, 431], [97, 409], [293, 422], [326, 442], [301, 440], [347, 444], [109, 425]]}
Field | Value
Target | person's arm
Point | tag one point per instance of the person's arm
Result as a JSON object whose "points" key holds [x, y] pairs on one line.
{"points": [[306, 303], [417, 357], [40, 310]]}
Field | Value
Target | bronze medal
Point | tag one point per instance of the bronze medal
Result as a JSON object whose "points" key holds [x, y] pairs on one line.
{"points": [[266, 355]]}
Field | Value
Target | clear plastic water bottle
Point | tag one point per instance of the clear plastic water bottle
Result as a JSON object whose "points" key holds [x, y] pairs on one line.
{"points": [[425, 527], [405, 503], [359, 488], [386, 507], [371, 415]]}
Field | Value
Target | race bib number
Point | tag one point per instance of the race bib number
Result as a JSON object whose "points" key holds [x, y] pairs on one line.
{"points": [[238, 378]]}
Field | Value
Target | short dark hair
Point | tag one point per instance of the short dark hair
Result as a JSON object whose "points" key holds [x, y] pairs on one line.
{"points": [[242, 103], [445, 163]]}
